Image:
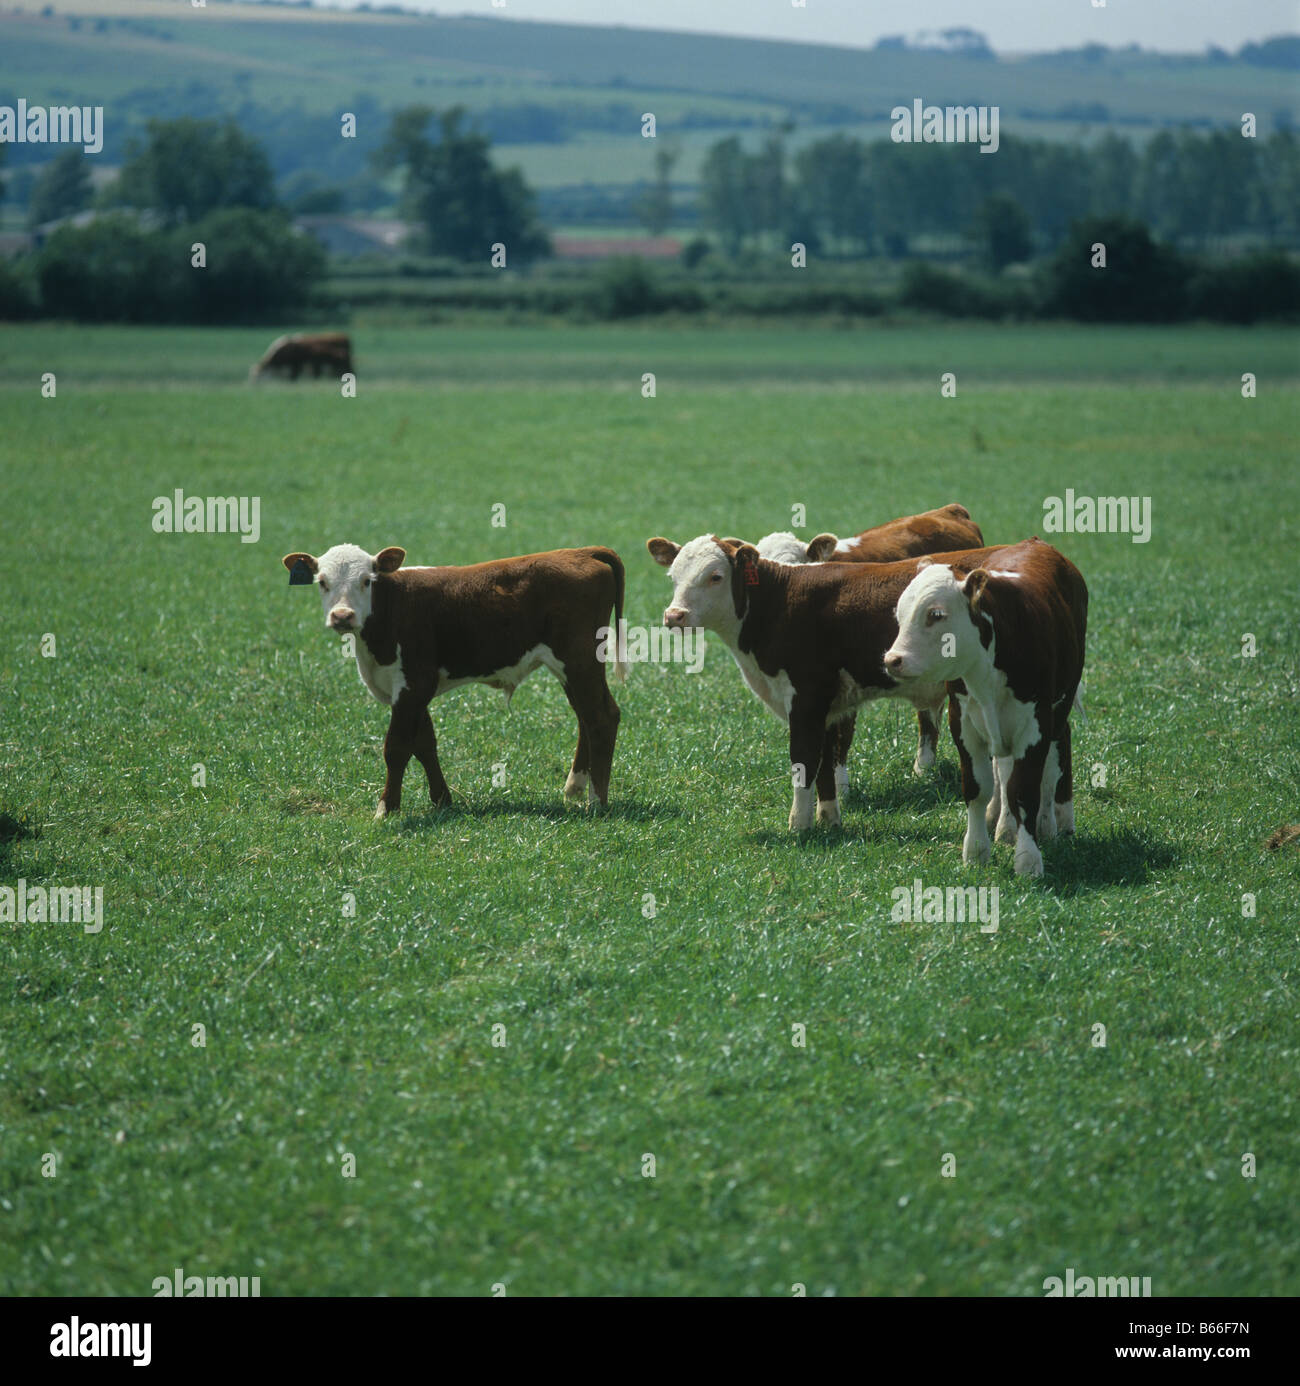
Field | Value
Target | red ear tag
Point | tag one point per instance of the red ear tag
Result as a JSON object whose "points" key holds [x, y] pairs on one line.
{"points": [[751, 574]]}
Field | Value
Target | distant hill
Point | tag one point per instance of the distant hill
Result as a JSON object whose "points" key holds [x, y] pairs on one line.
{"points": [[565, 101]]}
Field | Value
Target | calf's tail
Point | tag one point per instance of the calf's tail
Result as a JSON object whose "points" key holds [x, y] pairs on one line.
{"points": [[616, 567]]}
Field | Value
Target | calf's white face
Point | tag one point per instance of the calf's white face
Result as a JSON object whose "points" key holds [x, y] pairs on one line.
{"points": [[937, 635], [345, 578], [782, 547], [701, 574]]}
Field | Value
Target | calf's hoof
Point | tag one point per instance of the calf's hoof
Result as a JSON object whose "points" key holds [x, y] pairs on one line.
{"points": [[828, 811], [1029, 860], [976, 851], [1007, 832], [576, 786]]}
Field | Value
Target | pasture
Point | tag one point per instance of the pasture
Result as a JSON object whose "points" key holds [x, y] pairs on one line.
{"points": [[349, 974]]}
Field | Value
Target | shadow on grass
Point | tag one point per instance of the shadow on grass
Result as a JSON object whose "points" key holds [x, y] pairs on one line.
{"points": [[621, 810], [1083, 861], [13, 830], [917, 792], [1071, 864]]}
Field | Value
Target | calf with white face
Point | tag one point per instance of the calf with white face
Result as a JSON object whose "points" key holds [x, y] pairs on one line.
{"points": [[782, 547], [420, 632], [809, 641], [1009, 642]]}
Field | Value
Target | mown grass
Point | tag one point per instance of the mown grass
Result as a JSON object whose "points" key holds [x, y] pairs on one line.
{"points": [[370, 1033]]}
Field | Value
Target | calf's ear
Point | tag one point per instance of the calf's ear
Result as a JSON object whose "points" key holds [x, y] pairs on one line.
{"points": [[732, 540], [977, 592], [663, 551], [744, 576], [302, 568], [821, 548], [389, 560]]}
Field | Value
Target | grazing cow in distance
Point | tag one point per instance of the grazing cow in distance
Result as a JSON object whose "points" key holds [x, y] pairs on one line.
{"points": [[945, 530], [809, 641], [1008, 638], [330, 352], [423, 631]]}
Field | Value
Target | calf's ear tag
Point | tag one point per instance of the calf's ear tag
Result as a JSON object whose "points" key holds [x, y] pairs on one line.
{"points": [[300, 575], [751, 574]]}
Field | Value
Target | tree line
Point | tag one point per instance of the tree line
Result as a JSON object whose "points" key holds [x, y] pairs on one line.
{"points": [[847, 197]]}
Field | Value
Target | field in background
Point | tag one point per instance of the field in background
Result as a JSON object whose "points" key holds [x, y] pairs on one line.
{"points": [[564, 356], [370, 1033]]}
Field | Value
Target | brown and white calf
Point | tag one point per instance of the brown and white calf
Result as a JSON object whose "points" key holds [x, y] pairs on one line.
{"points": [[423, 631], [810, 641], [1008, 638], [945, 530], [330, 352]]}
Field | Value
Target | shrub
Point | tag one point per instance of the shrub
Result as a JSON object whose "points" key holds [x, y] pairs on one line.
{"points": [[1143, 281], [17, 290], [1263, 285]]}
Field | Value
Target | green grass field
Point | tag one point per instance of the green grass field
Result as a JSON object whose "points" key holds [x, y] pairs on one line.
{"points": [[369, 1033]]}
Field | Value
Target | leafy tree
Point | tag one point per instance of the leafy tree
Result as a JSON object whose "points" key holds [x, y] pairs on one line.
{"points": [[723, 194], [1113, 176], [17, 289], [113, 271], [655, 209], [834, 191], [188, 168], [464, 203], [257, 265], [1263, 285], [62, 189], [1143, 280], [1002, 232]]}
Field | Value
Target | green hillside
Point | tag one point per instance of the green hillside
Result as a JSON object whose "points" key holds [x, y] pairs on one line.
{"points": [[562, 100]]}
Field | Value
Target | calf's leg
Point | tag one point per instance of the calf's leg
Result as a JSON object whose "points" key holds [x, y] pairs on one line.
{"points": [[844, 730], [1065, 785], [598, 718], [807, 742], [927, 742], [1024, 795], [410, 733], [425, 747], [977, 782], [828, 807]]}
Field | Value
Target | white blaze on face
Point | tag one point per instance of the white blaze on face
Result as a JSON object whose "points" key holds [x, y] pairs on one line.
{"points": [[936, 633], [701, 575], [783, 547], [345, 575]]}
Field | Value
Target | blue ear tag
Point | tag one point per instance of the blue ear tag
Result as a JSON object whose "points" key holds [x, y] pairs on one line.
{"points": [[300, 575]]}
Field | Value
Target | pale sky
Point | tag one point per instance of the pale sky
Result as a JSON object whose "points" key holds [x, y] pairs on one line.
{"points": [[1011, 26]]}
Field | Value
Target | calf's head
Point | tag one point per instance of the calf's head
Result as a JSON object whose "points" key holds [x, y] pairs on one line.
{"points": [[783, 547], [345, 576], [712, 579], [944, 622]]}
